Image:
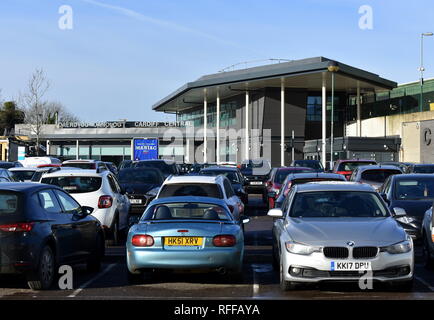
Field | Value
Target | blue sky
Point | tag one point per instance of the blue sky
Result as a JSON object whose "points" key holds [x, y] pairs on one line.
{"points": [[124, 55]]}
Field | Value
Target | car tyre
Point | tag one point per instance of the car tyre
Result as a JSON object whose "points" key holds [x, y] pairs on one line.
{"points": [[275, 262], [45, 274], [94, 261], [429, 262], [134, 278], [285, 285]]}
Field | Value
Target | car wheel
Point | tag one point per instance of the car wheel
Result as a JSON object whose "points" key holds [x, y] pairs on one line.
{"points": [[94, 261], [429, 262], [115, 232], [44, 277], [285, 285]]}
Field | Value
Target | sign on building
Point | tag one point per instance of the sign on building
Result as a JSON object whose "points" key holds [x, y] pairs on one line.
{"points": [[145, 149]]}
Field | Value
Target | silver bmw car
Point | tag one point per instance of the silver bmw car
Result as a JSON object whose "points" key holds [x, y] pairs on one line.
{"points": [[339, 231]]}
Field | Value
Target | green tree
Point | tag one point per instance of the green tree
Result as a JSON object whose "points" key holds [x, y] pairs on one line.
{"points": [[10, 115]]}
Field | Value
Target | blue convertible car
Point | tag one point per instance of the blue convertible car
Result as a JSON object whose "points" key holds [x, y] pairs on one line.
{"points": [[184, 233]]}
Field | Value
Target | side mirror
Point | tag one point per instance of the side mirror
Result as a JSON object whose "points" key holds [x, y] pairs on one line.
{"points": [[244, 219], [275, 213], [399, 212], [85, 210]]}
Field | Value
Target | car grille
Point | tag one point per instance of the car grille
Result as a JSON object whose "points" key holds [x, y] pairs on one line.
{"points": [[365, 252], [336, 252]]}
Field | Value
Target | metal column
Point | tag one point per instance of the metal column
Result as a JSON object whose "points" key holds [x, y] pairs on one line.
{"points": [[205, 125], [218, 127], [247, 157], [324, 119], [282, 123], [359, 122]]}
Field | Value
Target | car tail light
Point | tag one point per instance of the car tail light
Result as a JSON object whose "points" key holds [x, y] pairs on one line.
{"points": [[224, 240], [105, 202], [17, 227], [231, 208], [142, 240]]}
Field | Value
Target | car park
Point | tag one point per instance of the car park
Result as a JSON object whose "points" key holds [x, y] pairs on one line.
{"points": [[420, 168], [100, 191], [410, 195], [141, 185], [316, 165], [185, 233], [346, 167], [300, 178], [256, 173], [85, 164], [276, 178], [374, 175], [337, 231], [43, 227], [203, 186], [235, 177], [167, 167]]}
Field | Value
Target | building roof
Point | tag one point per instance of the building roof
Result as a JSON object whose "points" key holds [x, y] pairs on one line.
{"points": [[304, 73]]}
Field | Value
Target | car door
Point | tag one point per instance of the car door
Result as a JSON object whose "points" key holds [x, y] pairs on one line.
{"points": [[84, 225], [62, 225], [232, 198], [120, 201]]}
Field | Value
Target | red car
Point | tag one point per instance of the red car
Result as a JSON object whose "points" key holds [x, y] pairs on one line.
{"points": [[275, 180], [346, 167]]}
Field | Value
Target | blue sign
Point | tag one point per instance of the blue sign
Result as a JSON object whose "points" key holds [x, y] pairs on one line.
{"points": [[145, 149]]}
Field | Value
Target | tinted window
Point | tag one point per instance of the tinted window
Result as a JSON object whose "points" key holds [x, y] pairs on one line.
{"points": [[191, 189], [75, 184], [378, 175], [23, 175], [7, 165], [81, 165], [48, 201], [337, 204], [350, 166], [231, 175], [8, 204], [228, 189], [423, 169], [201, 211], [310, 164], [413, 189], [68, 203], [282, 174], [140, 176], [113, 184]]}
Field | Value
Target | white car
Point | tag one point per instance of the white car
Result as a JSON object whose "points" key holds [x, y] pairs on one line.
{"points": [[86, 164], [99, 190], [27, 174], [203, 186]]}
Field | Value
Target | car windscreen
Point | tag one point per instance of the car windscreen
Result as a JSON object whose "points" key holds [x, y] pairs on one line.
{"points": [[9, 204], [165, 168], [191, 189], [414, 189], [23, 175], [231, 175], [282, 174], [337, 204], [81, 165], [186, 210], [75, 184], [423, 169], [137, 176], [378, 175], [350, 166]]}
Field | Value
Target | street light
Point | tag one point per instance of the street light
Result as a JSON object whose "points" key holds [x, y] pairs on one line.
{"points": [[333, 67], [421, 68]]}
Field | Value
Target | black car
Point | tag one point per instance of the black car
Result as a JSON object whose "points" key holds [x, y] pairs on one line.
{"points": [[167, 167], [141, 185], [420, 168], [126, 164], [112, 167], [235, 177], [10, 164], [412, 194], [256, 173], [43, 227]]}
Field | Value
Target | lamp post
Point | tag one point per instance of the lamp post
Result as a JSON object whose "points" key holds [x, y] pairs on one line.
{"points": [[421, 68], [333, 67]]}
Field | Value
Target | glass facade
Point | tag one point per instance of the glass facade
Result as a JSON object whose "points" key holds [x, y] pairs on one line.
{"points": [[314, 108]]}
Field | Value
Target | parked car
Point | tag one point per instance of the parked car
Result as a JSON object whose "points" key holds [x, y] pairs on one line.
{"points": [[98, 190], [411, 194], [37, 176], [185, 233], [421, 168], [300, 178], [11, 164], [346, 167], [112, 167], [37, 161], [25, 174], [428, 238], [316, 165], [275, 180], [7, 175], [43, 227], [203, 186], [167, 167], [141, 186], [235, 178], [401, 165], [337, 231], [86, 164], [256, 173], [374, 175], [126, 164]]}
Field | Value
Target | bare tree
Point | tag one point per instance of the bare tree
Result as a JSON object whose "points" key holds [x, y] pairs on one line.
{"points": [[34, 104], [55, 111]]}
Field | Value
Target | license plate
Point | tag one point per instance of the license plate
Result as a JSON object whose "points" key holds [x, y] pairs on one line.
{"points": [[256, 182], [183, 241], [136, 201], [350, 265]]}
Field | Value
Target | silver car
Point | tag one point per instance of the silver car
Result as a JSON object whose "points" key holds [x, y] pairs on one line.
{"points": [[339, 231], [374, 175]]}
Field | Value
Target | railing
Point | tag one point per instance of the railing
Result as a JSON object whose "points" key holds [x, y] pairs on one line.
{"points": [[245, 63]]}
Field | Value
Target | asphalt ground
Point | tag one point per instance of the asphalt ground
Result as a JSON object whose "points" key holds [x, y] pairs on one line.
{"points": [[259, 280]]}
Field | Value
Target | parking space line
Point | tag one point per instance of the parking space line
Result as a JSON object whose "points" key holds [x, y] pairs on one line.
{"points": [[255, 282], [85, 285], [426, 284]]}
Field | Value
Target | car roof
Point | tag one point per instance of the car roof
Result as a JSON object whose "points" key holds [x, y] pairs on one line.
{"points": [[423, 165], [410, 176], [355, 160], [211, 200], [24, 186], [378, 167], [333, 186], [217, 168], [294, 168], [28, 169], [315, 175], [81, 173], [193, 179]]}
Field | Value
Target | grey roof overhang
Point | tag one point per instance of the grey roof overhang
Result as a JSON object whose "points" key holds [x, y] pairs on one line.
{"points": [[276, 71]]}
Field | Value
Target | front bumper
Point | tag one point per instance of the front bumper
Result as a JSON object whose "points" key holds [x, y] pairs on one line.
{"points": [[317, 268]]}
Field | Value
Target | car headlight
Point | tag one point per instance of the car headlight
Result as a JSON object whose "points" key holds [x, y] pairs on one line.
{"points": [[298, 248], [401, 247], [406, 219]]}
